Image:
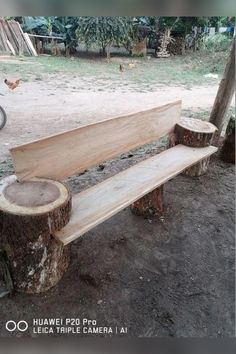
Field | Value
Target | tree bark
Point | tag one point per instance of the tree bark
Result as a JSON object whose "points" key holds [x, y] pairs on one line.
{"points": [[103, 51], [224, 94], [227, 153], [30, 212], [108, 52], [198, 169], [150, 205], [67, 52], [195, 133]]}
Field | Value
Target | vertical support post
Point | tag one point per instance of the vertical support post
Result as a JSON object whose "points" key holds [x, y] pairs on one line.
{"points": [[30, 213], [224, 94], [150, 205]]}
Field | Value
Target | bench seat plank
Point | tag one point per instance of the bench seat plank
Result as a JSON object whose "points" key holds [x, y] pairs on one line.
{"points": [[96, 204]]}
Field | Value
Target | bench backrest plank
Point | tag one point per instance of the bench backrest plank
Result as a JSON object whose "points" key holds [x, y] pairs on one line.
{"points": [[71, 152]]}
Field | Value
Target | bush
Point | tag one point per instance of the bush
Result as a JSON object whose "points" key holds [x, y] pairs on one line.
{"points": [[216, 43], [104, 31]]}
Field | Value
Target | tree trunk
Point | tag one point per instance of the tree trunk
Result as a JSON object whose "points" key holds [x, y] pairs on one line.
{"points": [[195, 133], [67, 52], [224, 94], [30, 212], [103, 51], [108, 51], [228, 149], [150, 205]]}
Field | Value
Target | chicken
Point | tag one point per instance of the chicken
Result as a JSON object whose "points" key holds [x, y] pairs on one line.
{"points": [[132, 65], [122, 68], [12, 84]]}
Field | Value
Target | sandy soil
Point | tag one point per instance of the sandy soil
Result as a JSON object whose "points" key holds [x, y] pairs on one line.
{"points": [[37, 109]]}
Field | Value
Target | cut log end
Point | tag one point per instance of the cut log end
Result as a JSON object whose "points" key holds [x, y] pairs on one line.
{"points": [[30, 213], [37, 196], [197, 125], [195, 133], [151, 205], [41, 193]]}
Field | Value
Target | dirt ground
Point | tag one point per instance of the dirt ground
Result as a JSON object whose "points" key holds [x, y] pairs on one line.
{"points": [[169, 278], [173, 277], [57, 95], [36, 110]]}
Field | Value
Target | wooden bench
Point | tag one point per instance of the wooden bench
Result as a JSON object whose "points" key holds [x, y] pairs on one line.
{"points": [[39, 205]]}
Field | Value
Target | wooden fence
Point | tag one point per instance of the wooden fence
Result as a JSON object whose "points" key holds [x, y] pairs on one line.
{"points": [[13, 40]]}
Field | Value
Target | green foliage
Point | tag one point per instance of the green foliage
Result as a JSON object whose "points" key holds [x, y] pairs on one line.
{"points": [[184, 24], [218, 42], [219, 21], [105, 31], [66, 28], [37, 25]]}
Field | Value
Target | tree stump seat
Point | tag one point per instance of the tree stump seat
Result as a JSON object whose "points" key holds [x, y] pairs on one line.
{"points": [[195, 133], [189, 132], [30, 212]]}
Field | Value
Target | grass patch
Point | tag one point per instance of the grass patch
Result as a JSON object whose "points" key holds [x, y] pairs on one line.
{"points": [[6, 168], [205, 114], [188, 70]]}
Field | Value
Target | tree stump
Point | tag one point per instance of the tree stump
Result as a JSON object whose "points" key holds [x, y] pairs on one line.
{"points": [[195, 133], [198, 169], [150, 205], [30, 212], [227, 153]]}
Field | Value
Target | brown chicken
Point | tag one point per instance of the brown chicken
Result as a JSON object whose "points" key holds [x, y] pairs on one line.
{"points": [[12, 84], [122, 68]]}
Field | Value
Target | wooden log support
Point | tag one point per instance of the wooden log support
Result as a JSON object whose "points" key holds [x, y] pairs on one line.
{"points": [[198, 169], [227, 153], [30, 213], [195, 133], [150, 205], [224, 95]]}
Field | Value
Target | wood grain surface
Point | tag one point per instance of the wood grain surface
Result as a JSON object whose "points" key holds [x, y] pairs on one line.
{"points": [[95, 205], [71, 152]]}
